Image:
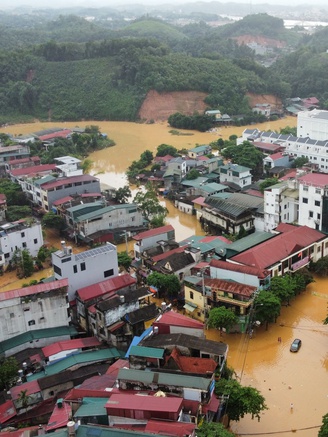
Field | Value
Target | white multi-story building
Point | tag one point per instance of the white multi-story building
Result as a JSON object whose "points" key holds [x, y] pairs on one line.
{"points": [[69, 166], [313, 124], [84, 268], [235, 173], [280, 204], [313, 203], [39, 306], [19, 236], [315, 150]]}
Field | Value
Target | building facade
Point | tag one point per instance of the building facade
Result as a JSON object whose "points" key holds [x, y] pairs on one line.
{"points": [[19, 236], [31, 308], [84, 268], [313, 201]]}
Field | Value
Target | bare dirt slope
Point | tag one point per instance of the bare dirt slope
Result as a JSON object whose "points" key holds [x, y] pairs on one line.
{"points": [[261, 40], [274, 101], [159, 106]]}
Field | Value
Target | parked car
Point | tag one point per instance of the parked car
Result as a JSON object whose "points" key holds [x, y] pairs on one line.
{"points": [[295, 346]]}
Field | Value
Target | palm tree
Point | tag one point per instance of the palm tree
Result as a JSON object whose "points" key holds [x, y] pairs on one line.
{"points": [[24, 398]]}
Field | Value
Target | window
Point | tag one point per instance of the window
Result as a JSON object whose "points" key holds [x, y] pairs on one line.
{"points": [[305, 188], [191, 294], [75, 269], [31, 323], [12, 315], [22, 234], [66, 260], [57, 270], [318, 216], [305, 200], [311, 214], [24, 245], [317, 202], [35, 241], [82, 267], [108, 273]]}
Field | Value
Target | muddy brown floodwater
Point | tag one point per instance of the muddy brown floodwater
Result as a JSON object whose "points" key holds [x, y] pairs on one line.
{"points": [[262, 362]]}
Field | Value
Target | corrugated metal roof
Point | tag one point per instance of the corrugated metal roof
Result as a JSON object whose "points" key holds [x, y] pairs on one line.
{"points": [[163, 379], [245, 269], [78, 359], [7, 411], [177, 429], [76, 343], [230, 287], [144, 403], [33, 289], [30, 387], [176, 319], [59, 417], [92, 407], [147, 352], [33, 169], [104, 210], [69, 180], [105, 287], [278, 248], [153, 232], [36, 334]]}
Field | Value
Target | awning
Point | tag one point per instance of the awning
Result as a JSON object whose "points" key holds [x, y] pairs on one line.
{"points": [[189, 307], [213, 404], [116, 326]]}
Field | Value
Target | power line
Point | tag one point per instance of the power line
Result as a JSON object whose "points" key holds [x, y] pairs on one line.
{"points": [[279, 432]]}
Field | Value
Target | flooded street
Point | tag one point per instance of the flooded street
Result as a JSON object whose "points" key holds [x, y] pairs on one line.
{"points": [[286, 378], [262, 362]]}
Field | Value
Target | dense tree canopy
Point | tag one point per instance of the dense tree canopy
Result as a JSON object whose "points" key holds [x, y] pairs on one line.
{"points": [[240, 400], [221, 318]]}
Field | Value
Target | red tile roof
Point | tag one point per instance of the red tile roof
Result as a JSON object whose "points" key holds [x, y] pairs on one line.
{"points": [[7, 411], [290, 175], [246, 269], [23, 432], [35, 169], [272, 251], [105, 287], [60, 134], [177, 429], [144, 403], [284, 227], [70, 180], [153, 232], [200, 201], [230, 287], [61, 201], [192, 364], [23, 160], [77, 343], [256, 193], [115, 367], [172, 318], [168, 253], [213, 404], [319, 180], [33, 289], [31, 387], [268, 146], [165, 158], [276, 156], [78, 393]]}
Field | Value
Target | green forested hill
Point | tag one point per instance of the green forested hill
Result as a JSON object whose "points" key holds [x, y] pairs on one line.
{"points": [[73, 69]]}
